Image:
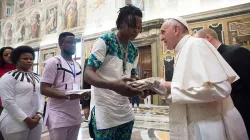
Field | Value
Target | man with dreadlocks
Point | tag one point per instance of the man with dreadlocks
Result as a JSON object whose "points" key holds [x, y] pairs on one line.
{"points": [[112, 63]]}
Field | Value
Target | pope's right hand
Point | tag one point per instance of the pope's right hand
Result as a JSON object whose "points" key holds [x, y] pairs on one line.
{"points": [[121, 87]]}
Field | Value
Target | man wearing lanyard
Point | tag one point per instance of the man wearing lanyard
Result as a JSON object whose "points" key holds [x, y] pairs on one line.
{"points": [[62, 73], [112, 63]]}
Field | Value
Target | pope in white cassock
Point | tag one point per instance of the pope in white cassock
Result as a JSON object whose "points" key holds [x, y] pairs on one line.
{"points": [[201, 107]]}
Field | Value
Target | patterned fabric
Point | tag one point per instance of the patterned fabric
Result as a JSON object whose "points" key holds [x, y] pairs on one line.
{"points": [[24, 76], [121, 132], [94, 62], [114, 50], [133, 72], [110, 114]]}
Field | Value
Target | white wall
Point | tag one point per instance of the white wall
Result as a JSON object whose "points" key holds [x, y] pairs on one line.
{"points": [[101, 15]]}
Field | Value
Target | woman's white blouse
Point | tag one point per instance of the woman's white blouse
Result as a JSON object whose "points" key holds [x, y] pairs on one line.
{"points": [[19, 99]]}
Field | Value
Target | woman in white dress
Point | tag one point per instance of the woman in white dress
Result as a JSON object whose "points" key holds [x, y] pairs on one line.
{"points": [[21, 98]]}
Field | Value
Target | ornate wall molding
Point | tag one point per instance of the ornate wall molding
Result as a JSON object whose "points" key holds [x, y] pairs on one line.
{"points": [[94, 36], [49, 46], [145, 41], [219, 13]]}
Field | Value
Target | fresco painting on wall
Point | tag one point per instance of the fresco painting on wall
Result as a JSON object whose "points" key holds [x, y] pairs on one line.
{"points": [[20, 5], [20, 30], [8, 34], [217, 27], [48, 55], [51, 20], [97, 22], [71, 14], [136, 3], [239, 33], [196, 29], [96, 4], [35, 25], [32, 2]]}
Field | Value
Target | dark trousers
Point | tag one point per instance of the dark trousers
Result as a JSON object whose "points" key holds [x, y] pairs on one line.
{"points": [[1, 136], [44, 109], [135, 99]]}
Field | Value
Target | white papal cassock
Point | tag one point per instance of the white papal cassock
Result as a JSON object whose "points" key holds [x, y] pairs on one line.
{"points": [[202, 108]]}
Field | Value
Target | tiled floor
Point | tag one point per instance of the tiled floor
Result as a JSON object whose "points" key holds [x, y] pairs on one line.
{"points": [[150, 124]]}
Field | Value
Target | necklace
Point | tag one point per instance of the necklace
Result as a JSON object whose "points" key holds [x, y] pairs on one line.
{"points": [[124, 55], [71, 62]]}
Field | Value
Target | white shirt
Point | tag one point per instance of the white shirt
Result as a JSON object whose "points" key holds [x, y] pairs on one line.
{"points": [[19, 100], [111, 108]]}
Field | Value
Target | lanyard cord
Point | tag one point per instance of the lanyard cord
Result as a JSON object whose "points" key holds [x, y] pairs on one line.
{"points": [[74, 72], [124, 55]]}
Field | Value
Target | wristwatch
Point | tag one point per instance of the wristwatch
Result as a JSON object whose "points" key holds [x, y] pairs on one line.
{"points": [[86, 96]]}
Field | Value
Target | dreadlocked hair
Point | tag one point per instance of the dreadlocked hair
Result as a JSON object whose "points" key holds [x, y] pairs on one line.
{"points": [[127, 15]]}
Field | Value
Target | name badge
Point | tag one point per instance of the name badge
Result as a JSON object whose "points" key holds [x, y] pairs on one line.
{"points": [[76, 86]]}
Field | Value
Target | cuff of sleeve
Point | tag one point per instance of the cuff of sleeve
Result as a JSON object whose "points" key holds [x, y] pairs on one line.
{"points": [[169, 98], [94, 62], [40, 110], [175, 95], [47, 80], [22, 117], [133, 72]]}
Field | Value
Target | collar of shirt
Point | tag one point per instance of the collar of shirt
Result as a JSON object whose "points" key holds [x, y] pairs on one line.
{"points": [[180, 44]]}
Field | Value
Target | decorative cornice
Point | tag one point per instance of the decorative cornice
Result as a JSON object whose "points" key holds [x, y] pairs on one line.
{"points": [[146, 26], [150, 24], [150, 39], [49, 46], [95, 36], [218, 13], [35, 42], [76, 30]]}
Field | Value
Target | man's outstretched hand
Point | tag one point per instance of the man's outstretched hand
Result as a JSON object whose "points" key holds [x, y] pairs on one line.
{"points": [[122, 87]]}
